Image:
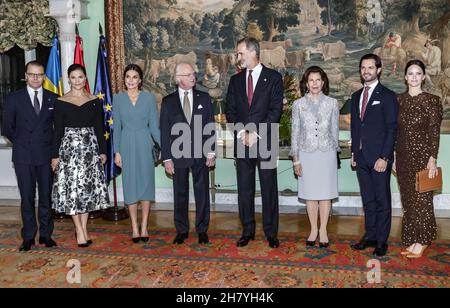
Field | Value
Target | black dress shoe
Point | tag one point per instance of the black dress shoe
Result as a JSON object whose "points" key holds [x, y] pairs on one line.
{"points": [[145, 238], [380, 250], [363, 244], [179, 239], [273, 242], [243, 241], [47, 241], [136, 239], [203, 238], [26, 245]]}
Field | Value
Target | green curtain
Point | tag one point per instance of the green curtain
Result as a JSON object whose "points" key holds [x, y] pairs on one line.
{"points": [[23, 23]]}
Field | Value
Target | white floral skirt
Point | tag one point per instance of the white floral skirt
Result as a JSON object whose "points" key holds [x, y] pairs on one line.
{"points": [[80, 183]]}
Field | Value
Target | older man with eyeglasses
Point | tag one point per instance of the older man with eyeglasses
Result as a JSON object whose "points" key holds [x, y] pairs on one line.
{"points": [[188, 145], [28, 124]]}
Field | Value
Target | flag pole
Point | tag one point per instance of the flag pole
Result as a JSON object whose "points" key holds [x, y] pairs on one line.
{"points": [[114, 214]]}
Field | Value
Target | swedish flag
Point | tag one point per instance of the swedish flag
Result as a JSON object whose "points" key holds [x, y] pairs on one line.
{"points": [[53, 79]]}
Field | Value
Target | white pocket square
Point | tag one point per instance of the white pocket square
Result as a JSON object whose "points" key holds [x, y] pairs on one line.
{"points": [[376, 103], [200, 107], [51, 108]]}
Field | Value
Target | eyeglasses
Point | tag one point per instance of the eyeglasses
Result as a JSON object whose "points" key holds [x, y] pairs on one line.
{"points": [[188, 75], [36, 76]]}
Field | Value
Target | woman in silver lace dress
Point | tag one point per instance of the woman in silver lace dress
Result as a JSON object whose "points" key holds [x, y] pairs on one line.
{"points": [[315, 136]]}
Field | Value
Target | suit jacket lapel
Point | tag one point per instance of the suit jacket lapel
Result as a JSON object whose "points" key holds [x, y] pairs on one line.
{"points": [[195, 109], [262, 80], [375, 96], [28, 104], [45, 104], [358, 109], [243, 84], [179, 103]]}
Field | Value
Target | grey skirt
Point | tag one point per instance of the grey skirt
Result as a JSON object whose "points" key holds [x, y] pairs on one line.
{"points": [[319, 180]]}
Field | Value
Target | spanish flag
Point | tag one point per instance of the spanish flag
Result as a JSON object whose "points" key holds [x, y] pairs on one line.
{"points": [[79, 56], [53, 79]]}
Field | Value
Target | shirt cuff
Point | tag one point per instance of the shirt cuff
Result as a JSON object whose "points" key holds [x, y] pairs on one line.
{"points": [[243, 131], [164, 161]]}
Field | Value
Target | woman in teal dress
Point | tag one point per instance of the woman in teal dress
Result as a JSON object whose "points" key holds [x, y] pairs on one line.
{"points": [[136, 128]]}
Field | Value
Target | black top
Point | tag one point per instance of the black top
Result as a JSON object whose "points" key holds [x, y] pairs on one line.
{"points": [[90, 114]]}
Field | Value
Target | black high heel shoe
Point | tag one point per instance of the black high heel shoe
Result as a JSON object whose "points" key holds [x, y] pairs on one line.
{"points": [[145, 238], [310, 243], [88, 241], [84, 245], [324, 244]]}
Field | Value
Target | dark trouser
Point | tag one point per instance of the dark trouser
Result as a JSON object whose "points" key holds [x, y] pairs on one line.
{"points": [[376, 196], [200, 176], [27, 177], [246, 171]]}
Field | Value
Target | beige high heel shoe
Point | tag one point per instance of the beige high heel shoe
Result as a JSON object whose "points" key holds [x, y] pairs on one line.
{"points": [[408, 251], [417, 255]]}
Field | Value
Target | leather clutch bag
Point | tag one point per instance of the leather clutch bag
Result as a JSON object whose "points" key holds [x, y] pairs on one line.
{"points": [[425, 184]]}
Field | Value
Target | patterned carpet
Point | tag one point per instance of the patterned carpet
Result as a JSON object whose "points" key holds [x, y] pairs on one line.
{"points": [[114, 261]]}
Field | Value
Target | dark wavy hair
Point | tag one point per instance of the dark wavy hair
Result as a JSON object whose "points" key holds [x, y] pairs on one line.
{"points": [[374, 57], [136, 68], [323, 75], [76, 67], [415, 62]]}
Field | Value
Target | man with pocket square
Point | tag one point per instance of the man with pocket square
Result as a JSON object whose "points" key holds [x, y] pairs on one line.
{"points": [[374, 114], [188, 144], [28, 124]]}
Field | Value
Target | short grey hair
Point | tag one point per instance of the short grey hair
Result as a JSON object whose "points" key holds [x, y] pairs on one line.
{"points": [[251, 43], [178, 67]]}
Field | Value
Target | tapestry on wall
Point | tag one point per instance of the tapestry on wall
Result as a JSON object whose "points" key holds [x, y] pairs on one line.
{"points": [[294, 35]]}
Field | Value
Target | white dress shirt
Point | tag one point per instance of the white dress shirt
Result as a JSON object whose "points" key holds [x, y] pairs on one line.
{"points": [[190, 97], [40, 95], [372, 87], [191, 102], [256, 72]]}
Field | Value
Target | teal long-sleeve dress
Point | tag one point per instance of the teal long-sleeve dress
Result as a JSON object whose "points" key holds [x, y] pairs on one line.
{"points": [[134, 127]]}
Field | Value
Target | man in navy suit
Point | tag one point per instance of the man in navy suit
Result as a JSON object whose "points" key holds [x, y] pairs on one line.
{"points": [[28, 124], [188, 143], [254, 99], [373, 130]]}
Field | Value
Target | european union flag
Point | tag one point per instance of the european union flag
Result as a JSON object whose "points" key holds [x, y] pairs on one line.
{"points": [[103, 92], [53, 77]]}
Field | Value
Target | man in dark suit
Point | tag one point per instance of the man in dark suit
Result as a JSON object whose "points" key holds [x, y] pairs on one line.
{"points": [[373, 130], [254, 99], [187, 128], [28, 124]]}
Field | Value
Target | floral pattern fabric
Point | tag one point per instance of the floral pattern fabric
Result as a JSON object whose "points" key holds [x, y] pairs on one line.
{"points": [[80, 183]]}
